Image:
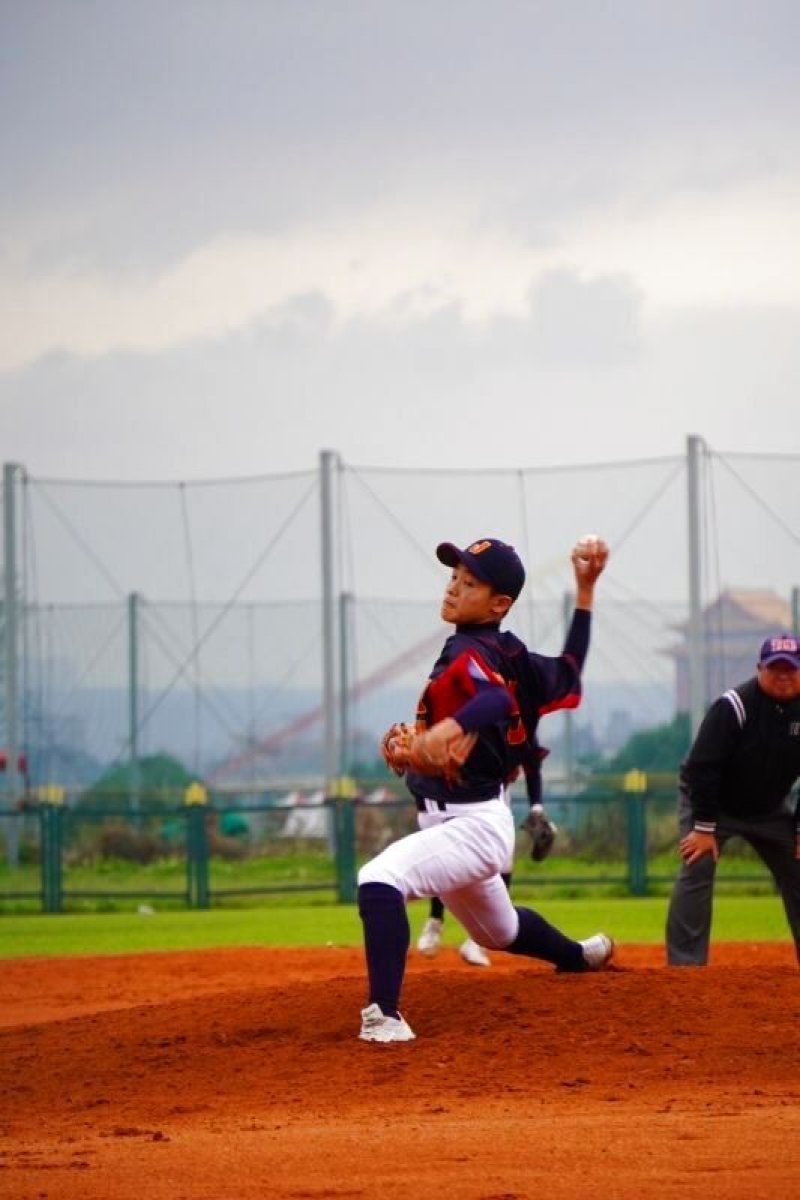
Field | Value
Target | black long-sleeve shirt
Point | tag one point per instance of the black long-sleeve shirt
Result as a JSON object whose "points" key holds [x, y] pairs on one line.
{"points": [[745, 757]]}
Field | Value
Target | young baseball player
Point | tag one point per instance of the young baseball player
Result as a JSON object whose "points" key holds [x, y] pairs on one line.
{"points": [[475, 726]]}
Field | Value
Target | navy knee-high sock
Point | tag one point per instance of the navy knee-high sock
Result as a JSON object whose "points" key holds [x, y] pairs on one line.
{"points": [[538, 939], [386, 940]]}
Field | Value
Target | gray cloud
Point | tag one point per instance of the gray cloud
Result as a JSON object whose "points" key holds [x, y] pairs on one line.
{"points": [[133, 133], [426, 393], [158, 125], [585, 321]]}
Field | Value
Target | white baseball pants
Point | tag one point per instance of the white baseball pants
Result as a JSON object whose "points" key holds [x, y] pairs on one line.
{"points": [[458, 855]]}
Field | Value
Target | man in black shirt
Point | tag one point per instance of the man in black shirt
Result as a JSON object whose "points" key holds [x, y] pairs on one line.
{"points": [[736, 781]]}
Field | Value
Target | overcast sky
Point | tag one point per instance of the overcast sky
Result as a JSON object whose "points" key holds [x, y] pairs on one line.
{"points": [[456, 232]]}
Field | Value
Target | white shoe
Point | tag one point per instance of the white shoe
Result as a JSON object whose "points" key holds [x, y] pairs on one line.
{"points": [[375, 1027], [598, 951], [474, 954], [429, 941]]}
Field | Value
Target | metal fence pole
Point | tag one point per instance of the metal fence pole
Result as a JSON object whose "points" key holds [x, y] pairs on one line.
{"points": [[134, 781], [327, 464], [9, 660], [696, 660]]}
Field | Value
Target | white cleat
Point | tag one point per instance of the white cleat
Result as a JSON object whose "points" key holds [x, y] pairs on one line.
{"points": [[474, 954], [598, 951], [429, 941], [375, 1027]]}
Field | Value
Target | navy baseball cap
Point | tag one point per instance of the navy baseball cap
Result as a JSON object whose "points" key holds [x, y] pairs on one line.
{"points": [[783, 648], [489, 560]]}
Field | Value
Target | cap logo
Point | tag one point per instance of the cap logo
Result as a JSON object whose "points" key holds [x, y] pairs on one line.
{"points": [[779, 645], [478, 547]]}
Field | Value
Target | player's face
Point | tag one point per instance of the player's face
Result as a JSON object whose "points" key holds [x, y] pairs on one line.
{"points": [[470, 601], [780, 680]]}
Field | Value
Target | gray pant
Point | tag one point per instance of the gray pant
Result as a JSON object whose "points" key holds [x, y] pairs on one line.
{"points": [[689, 915]]}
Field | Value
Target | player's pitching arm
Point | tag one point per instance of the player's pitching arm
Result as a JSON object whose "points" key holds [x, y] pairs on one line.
{"points": [[589, 558]]}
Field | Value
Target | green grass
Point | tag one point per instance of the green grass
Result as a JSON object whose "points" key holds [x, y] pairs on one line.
{"points": [[169, 874], [736, 918]]}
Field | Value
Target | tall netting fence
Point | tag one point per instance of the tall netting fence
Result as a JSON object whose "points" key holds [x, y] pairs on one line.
{"points": [[174, 632], [181, 618], [749, 531]]}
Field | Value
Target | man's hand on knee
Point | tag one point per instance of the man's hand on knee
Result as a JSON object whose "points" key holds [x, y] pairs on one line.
{"points": [[696, 844]]}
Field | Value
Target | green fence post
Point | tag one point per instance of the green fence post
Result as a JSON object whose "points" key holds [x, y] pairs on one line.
{"points": [[196, 800], [58, 855], [344, 834], [44, 855], [51, 834], [635, 785]]}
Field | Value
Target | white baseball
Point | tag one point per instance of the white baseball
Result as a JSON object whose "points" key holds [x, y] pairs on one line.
{"points": [[587, 545]]}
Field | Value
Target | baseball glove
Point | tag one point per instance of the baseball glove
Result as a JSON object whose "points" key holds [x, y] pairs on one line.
{"points": [[441, 750], [542, 831], [396, 746]]}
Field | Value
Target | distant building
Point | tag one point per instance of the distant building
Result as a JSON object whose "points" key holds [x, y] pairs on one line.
{"points": [[734, 627]]}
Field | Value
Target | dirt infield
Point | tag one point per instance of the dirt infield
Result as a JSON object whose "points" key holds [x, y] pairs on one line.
{"points": [[237, 1074]]}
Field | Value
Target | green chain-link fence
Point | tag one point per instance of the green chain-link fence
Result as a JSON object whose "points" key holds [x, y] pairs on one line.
{"points": [[195, 850]]}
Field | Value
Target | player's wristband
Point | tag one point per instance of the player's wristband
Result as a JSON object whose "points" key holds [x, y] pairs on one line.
{"points": [[705, 826]]}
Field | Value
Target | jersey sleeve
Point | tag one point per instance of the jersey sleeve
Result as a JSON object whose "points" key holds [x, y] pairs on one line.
{"points": [[701, 773], [576, 643], [559, 679], [490, 705], [533, 775]]}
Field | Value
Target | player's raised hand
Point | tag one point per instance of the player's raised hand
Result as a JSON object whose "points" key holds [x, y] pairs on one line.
{"points": [[589, 557]]}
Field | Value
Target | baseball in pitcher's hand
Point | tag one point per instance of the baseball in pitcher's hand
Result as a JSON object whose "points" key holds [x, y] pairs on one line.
{"points": [[589, 557]]}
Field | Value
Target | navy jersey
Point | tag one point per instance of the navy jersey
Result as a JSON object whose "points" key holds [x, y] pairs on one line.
{"points": [[498, 689]]}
